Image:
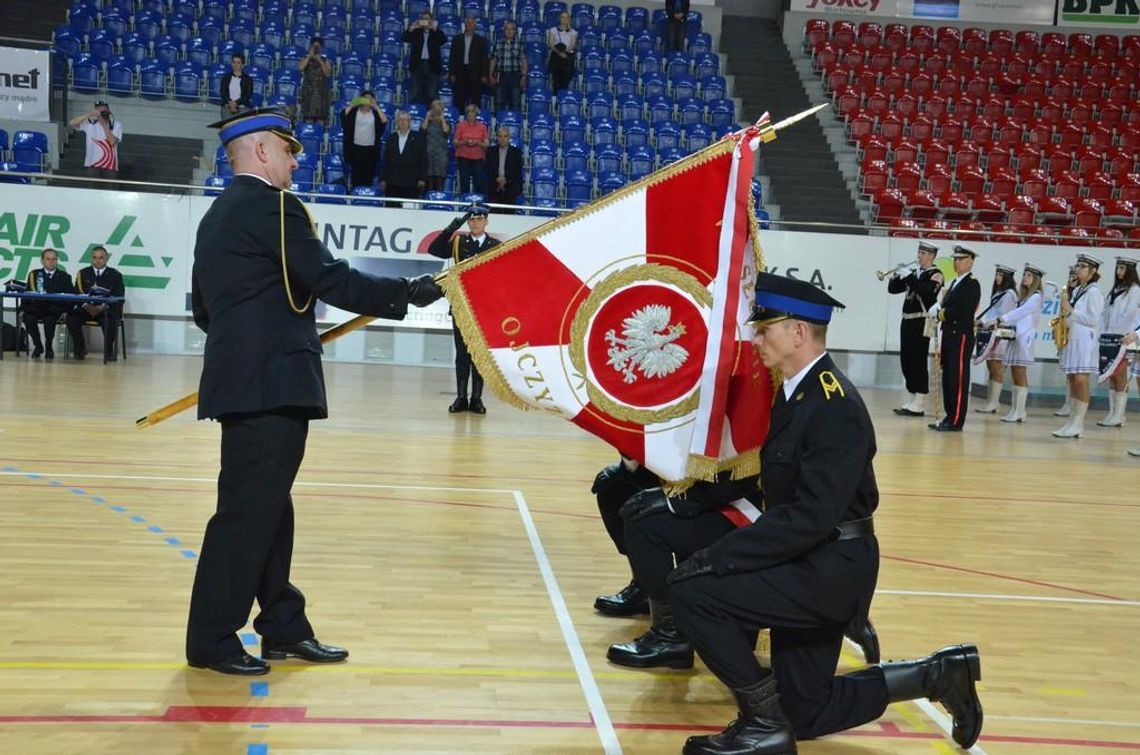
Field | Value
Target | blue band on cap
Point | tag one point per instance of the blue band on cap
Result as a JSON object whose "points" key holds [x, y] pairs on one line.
{"points": [[253, 124], [794, 307]]}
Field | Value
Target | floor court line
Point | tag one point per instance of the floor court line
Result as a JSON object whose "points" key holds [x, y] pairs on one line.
{"points": [[598, 712]]}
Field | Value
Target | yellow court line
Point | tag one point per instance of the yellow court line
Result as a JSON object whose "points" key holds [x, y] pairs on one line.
{"points": [[944, 748], [343, 669]]}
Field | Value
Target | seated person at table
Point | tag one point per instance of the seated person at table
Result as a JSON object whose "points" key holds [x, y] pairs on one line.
{"points": [[97, 280], [49, 279]]}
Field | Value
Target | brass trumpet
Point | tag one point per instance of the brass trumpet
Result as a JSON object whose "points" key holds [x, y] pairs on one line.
{"points": [[884, 274]]}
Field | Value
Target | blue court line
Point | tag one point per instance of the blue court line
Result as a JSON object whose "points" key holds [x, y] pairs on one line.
{"points": [[259, 726], [249, 638], [99, 500], [259, 689], [258, 749]]}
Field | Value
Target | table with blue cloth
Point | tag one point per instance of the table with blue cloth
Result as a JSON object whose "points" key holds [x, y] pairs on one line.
{"points": [[70, 299]]}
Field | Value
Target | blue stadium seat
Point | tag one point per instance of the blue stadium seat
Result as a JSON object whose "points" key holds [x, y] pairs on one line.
{"points": [[694, 21], [608, 182], [757, 193], [537, 100], [532, 34], [215, 11], [200, 52], [541, 153], [691, 111], [272, 33], [722, 113], [609, 18], [571, 128], [67, 43], [684, 86], [333, 169], [214, 82], [551, 9], [644, 42], [245, 10], [303, 178], [654, 85], [334, 24], [435, 200], [697, 137], [549, 208], [569, 103], [625, 84], [188, 82], [3, 144], [7, 167], [621, 63], [101, 45], [331, 193], [700, 44], [593, 61], [669, 156], [305, 13], [350, 87], [135, 48], [152, 80], [29, 151], [618, 41], [115, 22], [641, 161], [262, 55], [649, 62], [312, 138], [636, 19], [382, 65], [80, 21], [660, 109], [579, 185], [575, 157], [241, 33], [762, 219], [85, 74], [180, 28], [706, 65], [677, 64], [667, 136], [599, 105], [540, 127], [543, 183], [167, 52], [288, 84], [603, 130], [215, 185], [591, 39], [148, 24], [630, 106], [608, 158], [635, 132], [527, 14], [470, 199], [713, 88]]}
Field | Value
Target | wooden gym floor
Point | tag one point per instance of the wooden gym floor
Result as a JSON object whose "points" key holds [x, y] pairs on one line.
{"points": [[458, 559]]}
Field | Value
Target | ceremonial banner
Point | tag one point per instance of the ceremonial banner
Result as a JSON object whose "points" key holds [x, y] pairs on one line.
{"points": [[626, 317]]}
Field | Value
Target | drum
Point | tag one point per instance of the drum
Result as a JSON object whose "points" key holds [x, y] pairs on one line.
{"points": [[1005, 334], [1112, 351], [984, 345]]}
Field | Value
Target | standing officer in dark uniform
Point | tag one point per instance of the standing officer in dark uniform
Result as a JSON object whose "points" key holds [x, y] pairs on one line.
{"points": [[92, 279], [450, 245], [956, 315], [809, 564], [49, 279], [921, 287], [258, 270]]}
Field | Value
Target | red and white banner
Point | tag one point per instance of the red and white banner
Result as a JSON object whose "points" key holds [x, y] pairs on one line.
{"points": [[627, 318]]}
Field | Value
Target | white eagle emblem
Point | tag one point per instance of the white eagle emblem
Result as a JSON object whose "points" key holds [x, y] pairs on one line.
{"points": [[647, 345]]}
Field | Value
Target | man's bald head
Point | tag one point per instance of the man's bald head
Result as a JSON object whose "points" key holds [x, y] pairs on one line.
{"points": [[263, 154]]}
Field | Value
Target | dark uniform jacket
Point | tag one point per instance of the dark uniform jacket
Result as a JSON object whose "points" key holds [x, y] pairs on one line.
{"points": [[415, 40], [111, 279], [57, 283], [815, 472], [460, 247], [260, 353], [921, 287], [959, 305], [512, 171]]}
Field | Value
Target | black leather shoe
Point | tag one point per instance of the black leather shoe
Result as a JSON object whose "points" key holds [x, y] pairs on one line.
{"points": [[947, 676], [629, 601], [942, 427], [476, 406], [238, 665], [49, 354], [863, 634], [660, 647], [80, 356], [904, 412], [311, 650], [760, 728], [39, 352], [458, 405]]}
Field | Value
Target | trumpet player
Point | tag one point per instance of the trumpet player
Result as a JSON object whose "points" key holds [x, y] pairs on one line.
{"points": [[1070, 285], [956, 314], [921, 286], [1082, 310], [1121, 314], [1003, 298], [1019, 352]]}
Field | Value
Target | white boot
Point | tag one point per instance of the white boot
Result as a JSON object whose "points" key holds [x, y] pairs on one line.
{"points": [[1065, 409], [1134, 451], [918, 403], [1017, 411], [1116, 409], [994, 397], [1076, 426]]}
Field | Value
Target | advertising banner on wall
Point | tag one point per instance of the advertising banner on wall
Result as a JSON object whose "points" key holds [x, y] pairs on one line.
{"points": [[878, 8], [25, 84], [1021, 12], [1117, 14], [150, 238]]}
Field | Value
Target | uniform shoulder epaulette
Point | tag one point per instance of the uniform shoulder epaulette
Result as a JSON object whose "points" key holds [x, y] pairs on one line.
{"points": [[830, 385]]}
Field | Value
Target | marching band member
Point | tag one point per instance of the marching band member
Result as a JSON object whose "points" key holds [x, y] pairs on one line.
{"points": [[921, 287], [1129, 339], [1019, 351], [956, 313], [1070, 285], [1003, 298], [1121, 314], [1083, 308]]}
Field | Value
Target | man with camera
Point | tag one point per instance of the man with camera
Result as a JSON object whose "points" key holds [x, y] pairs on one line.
{"points": [[103, 134], [425, 62]]}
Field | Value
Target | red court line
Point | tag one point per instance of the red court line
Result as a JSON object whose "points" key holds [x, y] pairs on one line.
{"points": [[995, 575], [298, 715]]}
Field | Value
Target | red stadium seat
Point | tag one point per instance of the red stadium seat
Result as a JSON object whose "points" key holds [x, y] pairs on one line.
{"points": [[967, 153], [1067, 189], [1075, 237], [1109, 115], [906, 105], [951, 130], [1099, 186], [921, 85], [936, 152], [889, 204], [1002, 181], [909, 63], [1006, 233], [1087, 213], [949, 38], [1089, 160], [922, 204], [1130, 138], [873, 148], [1053, 44], [1110, 237], [894, 36], [816, 30], [972, 231], [1107, 46], [936, 106], [1080, 45], [875, 177], [974, 41], [1039, 234], [922, 38], [907, 177], [881, 58], [1120, 212], [937, 229], [1130, 187], [904, 228], [988, 208], [878, 104], [1121, 161], [1054, 211], [1022, 210], [971, 180], [870, 34], [922, 128], [955, 206], [949, 86], [1001, 42], [1027, 43], [1101, 137], [1000, 156], [892, 127], [859, 126], [1034, 88], [906, 152], [939, 178], [843, 33]]}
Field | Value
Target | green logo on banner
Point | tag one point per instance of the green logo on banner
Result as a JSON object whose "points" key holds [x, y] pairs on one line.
{"points": [[23, 239], [1101, 11]]}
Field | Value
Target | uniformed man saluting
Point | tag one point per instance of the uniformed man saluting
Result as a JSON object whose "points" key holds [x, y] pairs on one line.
{"points": [[808, 565], [454, 246], [258, 270]]}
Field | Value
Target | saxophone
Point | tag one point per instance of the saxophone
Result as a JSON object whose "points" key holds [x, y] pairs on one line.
{"points": [[1060, 323]]}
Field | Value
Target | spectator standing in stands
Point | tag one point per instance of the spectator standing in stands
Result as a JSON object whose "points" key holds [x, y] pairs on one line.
{"points": [[405, 161], [49, 279], [103, 134], [678, 12], [467, 65], [508, 69], [316, 73], [562, 41], [236, 88], [436, 130], [91, 280], [424, 62], [471, 141], [503, 169], [363, 122]]}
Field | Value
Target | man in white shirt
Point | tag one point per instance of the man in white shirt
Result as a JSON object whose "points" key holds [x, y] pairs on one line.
{"points": [[103, 134]]}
